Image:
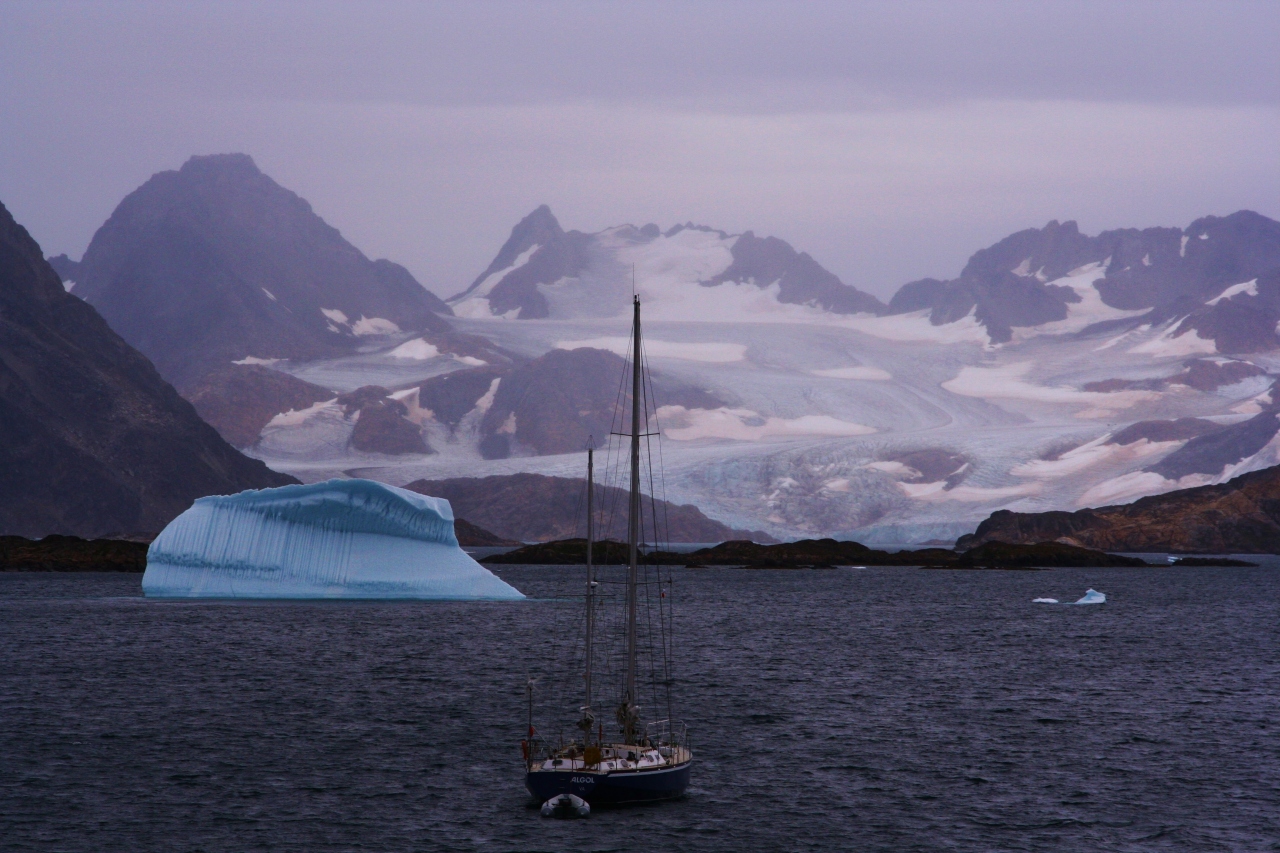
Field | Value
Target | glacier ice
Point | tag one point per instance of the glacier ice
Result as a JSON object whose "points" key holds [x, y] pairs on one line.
{"points": [[1044, 601], [1092, 596], [336, 539]]}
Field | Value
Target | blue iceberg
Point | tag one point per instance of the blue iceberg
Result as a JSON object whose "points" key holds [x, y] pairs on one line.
{"points": [[337, 539], [1092, 596]]}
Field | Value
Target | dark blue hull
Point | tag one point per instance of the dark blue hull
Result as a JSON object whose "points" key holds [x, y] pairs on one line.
{"points": [[611, 789]]}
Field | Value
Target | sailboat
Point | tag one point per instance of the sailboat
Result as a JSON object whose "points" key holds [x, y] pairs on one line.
{"points": [[638, 761]]}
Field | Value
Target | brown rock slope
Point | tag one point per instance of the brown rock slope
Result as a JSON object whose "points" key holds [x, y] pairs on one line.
{"points": [[1239, 516], [537, 508], [240, 399], [92, 441]]}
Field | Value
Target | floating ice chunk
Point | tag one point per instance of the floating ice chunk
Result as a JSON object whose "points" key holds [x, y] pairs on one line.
{"points": [[1044, 601], [1092, 596], [337, 539]]}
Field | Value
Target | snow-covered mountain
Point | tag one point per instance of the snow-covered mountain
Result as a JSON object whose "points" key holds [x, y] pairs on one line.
{"points": [[1057, 371], [544, 272], [1208, 281], [216, 263]]}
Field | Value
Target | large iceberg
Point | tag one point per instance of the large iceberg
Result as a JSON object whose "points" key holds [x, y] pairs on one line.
{"points": [[337, 539]]}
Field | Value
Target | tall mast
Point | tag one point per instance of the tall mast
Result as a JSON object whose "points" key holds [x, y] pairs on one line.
{"points": [[591, 581], [633, 529]]}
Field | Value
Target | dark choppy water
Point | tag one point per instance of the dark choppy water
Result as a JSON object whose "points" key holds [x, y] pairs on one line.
{"points": [[889, 709]]}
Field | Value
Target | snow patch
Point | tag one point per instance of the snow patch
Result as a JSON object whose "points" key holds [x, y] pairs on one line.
{"points": [[915, 326], [374, 326], [938, 492], [712, 353], [746, 425], [1126, 488], [1089, 310], [1255, 405], [270, 295], [67, 285], [1168, 345], [1006, 382], [296, 417], [483, 289], [1141, 330], [335, 315], [871, 374], [417, 350], [1146, 259], [483, 404], [1094, 453], [1182, 250], [1249, 288], [249, 359], [1023, 269], [897, 469], [414, 411]]}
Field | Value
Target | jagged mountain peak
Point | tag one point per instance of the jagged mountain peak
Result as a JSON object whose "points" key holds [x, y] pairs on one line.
{"points": [[215, 262], [1034, 277], [689, 270], [221, 164], [539, 228]]}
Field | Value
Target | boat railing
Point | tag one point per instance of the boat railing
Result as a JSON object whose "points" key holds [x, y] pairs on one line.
{"points": [[536, 750], [667, 733]]}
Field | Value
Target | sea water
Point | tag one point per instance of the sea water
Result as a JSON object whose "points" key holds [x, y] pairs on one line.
{"points": [[885, 709]]}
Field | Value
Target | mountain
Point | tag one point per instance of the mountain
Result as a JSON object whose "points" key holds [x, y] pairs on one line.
{"points": [[93, 441], [240, 399], [1218, 279], [547, 405], [1239, 516], [1059, 370], [216, 263], [543, 271], [536, 508]]}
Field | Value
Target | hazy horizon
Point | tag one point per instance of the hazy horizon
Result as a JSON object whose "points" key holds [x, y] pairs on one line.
{"points": [[889, 141]]}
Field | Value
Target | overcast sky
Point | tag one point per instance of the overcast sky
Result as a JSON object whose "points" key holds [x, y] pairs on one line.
{"points": [[889, 141]]}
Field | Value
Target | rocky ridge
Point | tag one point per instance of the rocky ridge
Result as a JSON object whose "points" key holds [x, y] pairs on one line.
{"points": [[216, 263], [1239, 516], [534, 508], [93, 442]]}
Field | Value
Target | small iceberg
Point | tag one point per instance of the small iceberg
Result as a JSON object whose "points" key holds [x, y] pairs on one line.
{"points": [[1092, 596], [1044, 601], [337, 539]]}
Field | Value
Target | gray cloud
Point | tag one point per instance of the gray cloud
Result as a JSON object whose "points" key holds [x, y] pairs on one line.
{"points": [[888, 140]]}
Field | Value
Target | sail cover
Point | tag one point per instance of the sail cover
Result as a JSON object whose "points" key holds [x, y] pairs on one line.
{"points": [[337, 539]]}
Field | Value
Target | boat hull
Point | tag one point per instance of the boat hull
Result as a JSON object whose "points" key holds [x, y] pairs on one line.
{"points": [[611, 789]]}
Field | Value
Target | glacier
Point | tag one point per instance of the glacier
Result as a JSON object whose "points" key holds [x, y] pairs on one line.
{"points": [[342, 538]]}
